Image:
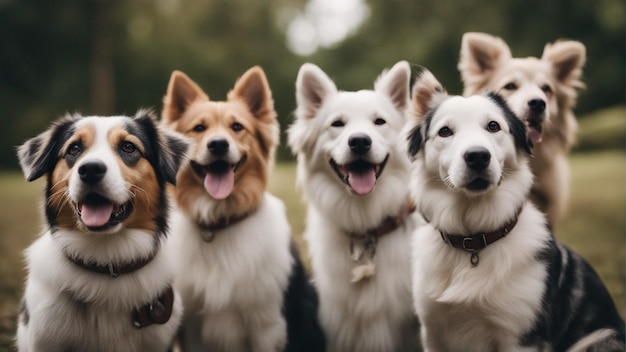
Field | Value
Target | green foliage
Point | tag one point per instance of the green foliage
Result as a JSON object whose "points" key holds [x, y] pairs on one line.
{"points": [[112, 57], [603, 129]]}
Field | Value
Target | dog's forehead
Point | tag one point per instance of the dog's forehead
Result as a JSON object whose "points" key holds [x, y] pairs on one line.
{"points": [[363, 103], [468, 108], [525, 69]]}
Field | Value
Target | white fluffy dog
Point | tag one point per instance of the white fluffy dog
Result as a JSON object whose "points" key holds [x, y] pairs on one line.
{"points": [[355, 178], [488, 274]]}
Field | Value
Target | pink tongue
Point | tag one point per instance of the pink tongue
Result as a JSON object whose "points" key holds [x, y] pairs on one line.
{"points": [[362, 183], [535, 136], [220, 185], [96, 215]]}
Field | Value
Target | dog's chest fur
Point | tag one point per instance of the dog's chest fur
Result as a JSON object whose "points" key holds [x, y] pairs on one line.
{"points": [[503, 292], [374, 313], [237, 278]]}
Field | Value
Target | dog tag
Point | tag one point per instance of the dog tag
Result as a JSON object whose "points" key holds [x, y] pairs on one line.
{"points": [[363, 271], [356, 251], [207, 235]]}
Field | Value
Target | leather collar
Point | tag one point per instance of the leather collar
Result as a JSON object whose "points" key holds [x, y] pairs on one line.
{"points": [[476, 242], [208, 231], [388, 224], [115, 270]]}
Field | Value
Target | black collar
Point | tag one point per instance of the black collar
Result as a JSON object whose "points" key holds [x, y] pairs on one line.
{"points": [[388, 224], [208, 231], [474, 243]]}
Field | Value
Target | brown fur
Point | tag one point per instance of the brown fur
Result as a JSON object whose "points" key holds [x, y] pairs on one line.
{"points": [[486, 65], [141, 177], [248, 103]]}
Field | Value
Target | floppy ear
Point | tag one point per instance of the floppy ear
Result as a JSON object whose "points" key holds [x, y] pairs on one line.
{"points": [[174, 148], [395, 84], [481, 54], [567, 59], [252, 88], [312, 87], [427, 91], [181, 92], [38, 155]]}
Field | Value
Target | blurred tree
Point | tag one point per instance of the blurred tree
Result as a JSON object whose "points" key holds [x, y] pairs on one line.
{"points": [[113, 56]]}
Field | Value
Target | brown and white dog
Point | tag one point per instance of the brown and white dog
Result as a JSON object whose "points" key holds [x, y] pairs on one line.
{"points": [[243, 285], [98, 279], [542, 92]]}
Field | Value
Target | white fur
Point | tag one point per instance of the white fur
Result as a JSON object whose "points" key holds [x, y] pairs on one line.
{"points": [[87, 302], [490, 306], [373, 314], [233, 287]]}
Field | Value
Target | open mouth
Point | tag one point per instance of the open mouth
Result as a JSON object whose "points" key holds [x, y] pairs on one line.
{"points": [[218, 176], [535, 125], [359, 175], [98, 213], [478, 184]]}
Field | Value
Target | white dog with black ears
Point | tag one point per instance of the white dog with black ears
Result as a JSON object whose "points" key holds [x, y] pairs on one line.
{"points": [[355, 175], [488, 275]]}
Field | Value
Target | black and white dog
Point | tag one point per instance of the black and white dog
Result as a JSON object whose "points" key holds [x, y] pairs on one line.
{"points": [[488, 273], [98, 280]]}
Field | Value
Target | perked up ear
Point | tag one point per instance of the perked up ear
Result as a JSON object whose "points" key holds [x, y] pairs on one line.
{"points": [[481, 54], [181, 92], [38, 155], [395, 84], [255, 92], [312, 87], [426, 92], [567, 59]]}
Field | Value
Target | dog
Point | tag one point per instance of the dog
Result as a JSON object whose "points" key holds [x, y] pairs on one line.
{"points": [[542, 92], [243, 285], [488, 275], [354, 174], [98, 279]]}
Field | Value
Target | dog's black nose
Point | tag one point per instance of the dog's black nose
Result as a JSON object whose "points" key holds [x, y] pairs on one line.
{"points": [[218, 146], [92, 171], [360, 143], [537, 105], [477, 158]]}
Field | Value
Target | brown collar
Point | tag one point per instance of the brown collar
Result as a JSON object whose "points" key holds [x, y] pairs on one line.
{"points": [[388, 224], [115, 270], [208, 231], [476, 242], [158, 311]]}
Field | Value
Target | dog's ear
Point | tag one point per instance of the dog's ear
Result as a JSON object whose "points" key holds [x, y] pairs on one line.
{"points": [[38, 155], [312, 87], [174, 148], [481, 54], [427, 92], [181, 92], [395, 84], [252, 88], [567, 59], [168, 149]]}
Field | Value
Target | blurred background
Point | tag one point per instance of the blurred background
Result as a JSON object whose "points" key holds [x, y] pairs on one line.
{"points": [[115, 56]]}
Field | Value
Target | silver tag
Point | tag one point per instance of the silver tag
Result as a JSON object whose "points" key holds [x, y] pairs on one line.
{"points": [[207, 235]]}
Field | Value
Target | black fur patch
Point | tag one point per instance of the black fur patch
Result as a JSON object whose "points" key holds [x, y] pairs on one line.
{"points": [[300, 308], [517, 127], [418, 135]]}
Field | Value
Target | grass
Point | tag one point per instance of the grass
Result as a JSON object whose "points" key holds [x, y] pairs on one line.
{"points": [[594, 226]]}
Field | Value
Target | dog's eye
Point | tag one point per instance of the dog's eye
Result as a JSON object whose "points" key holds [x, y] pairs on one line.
{"points": [[444, 132], [379, 121], [199, 128], [236, 126], [510, 86], [546, 89], [493, 127], [128, 147], [338, 123], [74, 149]]}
